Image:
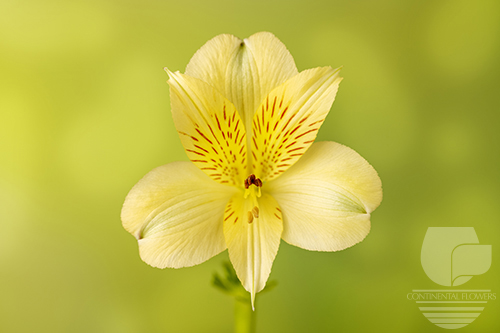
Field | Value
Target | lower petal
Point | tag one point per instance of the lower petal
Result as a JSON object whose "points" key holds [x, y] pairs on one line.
{"points": [[176, 213], [252, 228], [327, 198]]}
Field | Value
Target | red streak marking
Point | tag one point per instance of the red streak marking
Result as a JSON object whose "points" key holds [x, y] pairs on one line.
{"points": [[192, 151], [229, 215], [296, 128], [242, 147], [213, 134], [201, 161], [241, 139], [208, 169], [253, 153], [224, 111], [316, 122], [283, 113], [275, 125], [236, 219], [290, 119], [218, 123], [277, 216], [204, 137], [216, 174], [309, 141], [291, 144], [255, 143], [303, 119], [281, 103], [206, 151], [267, 129], [225, 181], [236, 138], [295, 149], [282, 165], [215, 150], [314, 129], [274, 105]]}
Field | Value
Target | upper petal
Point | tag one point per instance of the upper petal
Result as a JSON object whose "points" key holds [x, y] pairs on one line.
{"points": [[326, 198], [210, 129], [288, 120], [176, 214], [244, 71]]}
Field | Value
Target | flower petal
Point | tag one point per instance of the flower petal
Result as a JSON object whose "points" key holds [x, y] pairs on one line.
{"points": [[176, 214], [327, 197], [252, 228], [287, 121], [244, 71], [210, 129]]}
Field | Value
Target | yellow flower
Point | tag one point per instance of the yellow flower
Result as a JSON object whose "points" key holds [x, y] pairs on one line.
{"points": [[247, 119]]}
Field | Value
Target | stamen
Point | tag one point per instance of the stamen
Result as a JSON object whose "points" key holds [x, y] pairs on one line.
{"points": [[252, 180], [250, 217], [255, 212]]}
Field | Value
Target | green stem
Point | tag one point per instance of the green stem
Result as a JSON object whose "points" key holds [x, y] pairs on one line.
{"points": [[244, 316]]}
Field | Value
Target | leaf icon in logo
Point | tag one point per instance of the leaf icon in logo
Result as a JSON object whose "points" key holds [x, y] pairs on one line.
{"points": [[468, 260], [451, 256]]}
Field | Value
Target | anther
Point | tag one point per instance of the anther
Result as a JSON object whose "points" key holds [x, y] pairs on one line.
{"points": [[255, 212], [252, 180], [250, 217]]}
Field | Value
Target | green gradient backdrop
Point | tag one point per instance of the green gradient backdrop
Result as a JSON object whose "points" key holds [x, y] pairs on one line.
{"points": [[85, 114]]}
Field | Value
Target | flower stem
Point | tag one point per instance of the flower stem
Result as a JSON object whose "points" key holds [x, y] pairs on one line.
{"points": [[244, 316]]}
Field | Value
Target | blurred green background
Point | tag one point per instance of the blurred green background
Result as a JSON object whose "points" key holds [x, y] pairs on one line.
{"points": [[85, 114]]}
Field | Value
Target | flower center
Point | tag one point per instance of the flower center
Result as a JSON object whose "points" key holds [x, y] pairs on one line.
{"points": [[253, 192], [249, 189], [252, 180]]}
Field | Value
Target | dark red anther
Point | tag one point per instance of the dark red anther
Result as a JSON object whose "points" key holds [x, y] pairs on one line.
{"points": [[252, 180]]}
